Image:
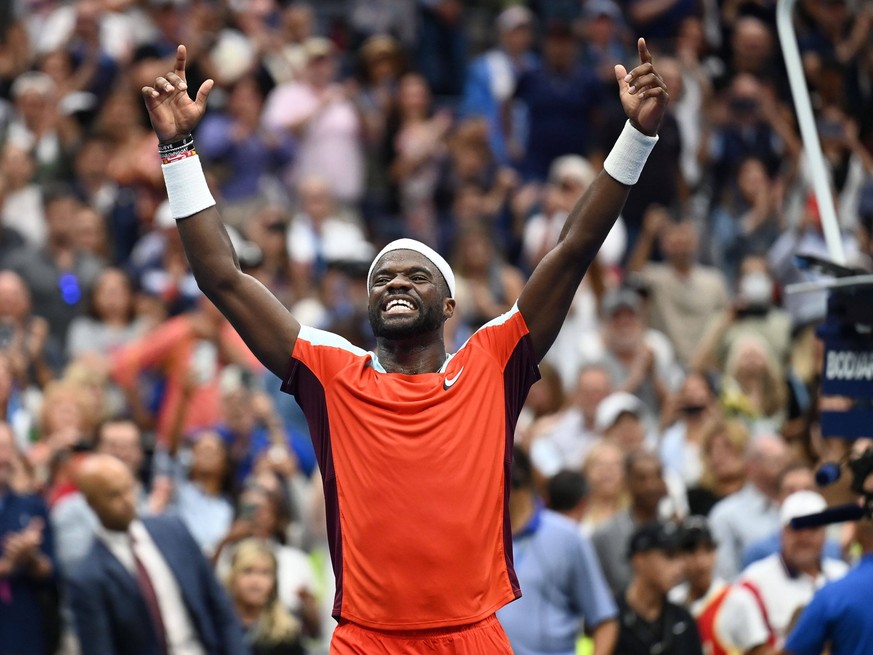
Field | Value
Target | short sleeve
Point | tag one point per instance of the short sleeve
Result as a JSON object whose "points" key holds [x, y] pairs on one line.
{"points": [[739, 622], [590, 591], [810, 633]]}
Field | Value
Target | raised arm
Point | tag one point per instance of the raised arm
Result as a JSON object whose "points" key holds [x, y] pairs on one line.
{"points": [[546, 298], [265, 325]]}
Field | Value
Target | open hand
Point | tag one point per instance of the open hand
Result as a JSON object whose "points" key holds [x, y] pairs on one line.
{"points": [[643, 93], [172, 112]]}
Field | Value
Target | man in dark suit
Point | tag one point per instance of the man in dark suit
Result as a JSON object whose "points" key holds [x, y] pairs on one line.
{"points": [[145, 587]]}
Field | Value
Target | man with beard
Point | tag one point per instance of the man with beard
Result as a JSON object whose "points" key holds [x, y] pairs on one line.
{"points": [[414, 444]]}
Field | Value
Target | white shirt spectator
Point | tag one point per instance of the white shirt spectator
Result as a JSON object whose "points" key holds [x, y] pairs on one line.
{"points": [[782, 593]]}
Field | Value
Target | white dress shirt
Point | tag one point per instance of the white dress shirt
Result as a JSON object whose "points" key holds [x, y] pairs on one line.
{"points": [[182, 638]]}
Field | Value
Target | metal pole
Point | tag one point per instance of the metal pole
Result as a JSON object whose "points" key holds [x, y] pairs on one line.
{"points": [[808, 131]]}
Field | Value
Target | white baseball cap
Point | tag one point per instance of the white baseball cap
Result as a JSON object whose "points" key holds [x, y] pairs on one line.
{"points": [[801, 503], [613, 406]]}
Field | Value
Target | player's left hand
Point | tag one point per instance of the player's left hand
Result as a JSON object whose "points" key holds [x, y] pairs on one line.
{"points": [[643, 93]]}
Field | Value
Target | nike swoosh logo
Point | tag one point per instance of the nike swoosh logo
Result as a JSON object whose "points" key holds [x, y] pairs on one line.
{"points": [[448, 382]]}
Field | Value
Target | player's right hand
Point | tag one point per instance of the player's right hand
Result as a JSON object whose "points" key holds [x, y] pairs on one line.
{"points": [[172, 112]]}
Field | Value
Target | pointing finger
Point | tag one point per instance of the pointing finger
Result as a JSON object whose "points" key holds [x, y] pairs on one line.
{"points": [[645, 55], [181, 58]]}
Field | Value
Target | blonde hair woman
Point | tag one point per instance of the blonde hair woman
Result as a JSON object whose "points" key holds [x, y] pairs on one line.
{"points": [[271, 629], [754, 388]]}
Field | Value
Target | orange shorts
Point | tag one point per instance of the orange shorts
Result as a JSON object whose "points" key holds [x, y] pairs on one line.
{"points": [[486, 637]]}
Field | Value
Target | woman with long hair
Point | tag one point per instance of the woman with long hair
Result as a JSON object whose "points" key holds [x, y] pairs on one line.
{"points": [[723, 451], [253, 587], [753, 388]]}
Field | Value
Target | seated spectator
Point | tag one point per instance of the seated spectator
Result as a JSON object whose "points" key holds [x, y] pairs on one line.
{"points": [[64, 422], [27, 567], [159, 267], [748, 220], [13, 408], [316, 110], [487, 285], [752, 512], [200, 343], [73, 520], [109, 208], [255, 433], [562, 99], [543, 406], [684, 294], [197, 484], [267, 229], [39, 126], [621, 419], [58, 275], [646, 487], [558, 569], [320, 234], [762, 605], [840, 615], [796, 477], [640, 360], [649, 622], [753, 388], [21, 209], [724, 450], [145, 586], [607, 491], [753, 312], [565, 440], [491, 77], [254, 589], [262, 513], [702, 593], [249, 155], [415, 141], [687, 413], [111, 320], [34, 355]]}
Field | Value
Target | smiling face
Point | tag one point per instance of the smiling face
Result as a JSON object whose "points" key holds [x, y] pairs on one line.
{"points": [[408, 296]]}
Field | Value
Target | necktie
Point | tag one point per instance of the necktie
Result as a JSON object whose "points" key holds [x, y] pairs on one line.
{"points": [[147, 589]]}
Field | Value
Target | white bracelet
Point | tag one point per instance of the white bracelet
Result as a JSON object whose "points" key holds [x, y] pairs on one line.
{"points": [[629, 154], [187, 190]]}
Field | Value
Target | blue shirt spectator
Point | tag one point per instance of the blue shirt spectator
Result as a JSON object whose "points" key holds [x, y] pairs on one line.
{"points": [[561, 98], [561, 581], [26, 566], [840, 616]]}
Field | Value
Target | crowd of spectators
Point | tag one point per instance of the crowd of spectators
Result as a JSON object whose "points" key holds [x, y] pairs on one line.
{"points": [[685, 382]]}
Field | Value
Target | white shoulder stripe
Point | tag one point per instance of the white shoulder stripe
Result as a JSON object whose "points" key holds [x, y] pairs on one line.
{"points": [[324, 338], [499, 320]]}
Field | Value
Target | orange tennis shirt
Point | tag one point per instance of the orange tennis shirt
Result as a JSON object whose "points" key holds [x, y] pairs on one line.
{"points": [[416, 473]]}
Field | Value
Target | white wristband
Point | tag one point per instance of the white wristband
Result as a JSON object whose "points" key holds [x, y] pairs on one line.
{"points": [[187, 190], [629, 154]]}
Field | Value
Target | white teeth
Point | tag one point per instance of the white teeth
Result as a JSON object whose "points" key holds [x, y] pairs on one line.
{"points": [[398, 305]]}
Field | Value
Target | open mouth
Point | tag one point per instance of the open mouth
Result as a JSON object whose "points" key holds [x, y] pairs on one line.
{"points": [[398, 306]]}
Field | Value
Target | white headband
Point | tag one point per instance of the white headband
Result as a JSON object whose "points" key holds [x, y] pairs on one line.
{"points": [[422, 249]]}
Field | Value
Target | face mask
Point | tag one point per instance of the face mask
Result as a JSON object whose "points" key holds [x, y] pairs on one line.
{"points": [[756, 290]]}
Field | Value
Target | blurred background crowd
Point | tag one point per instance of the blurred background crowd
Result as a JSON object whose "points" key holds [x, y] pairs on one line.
{"points": [[684, 384]]}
